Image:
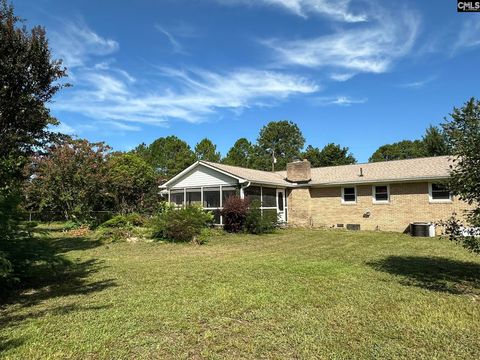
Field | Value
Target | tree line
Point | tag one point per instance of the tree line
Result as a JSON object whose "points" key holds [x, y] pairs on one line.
{"points": [[284, 142]]}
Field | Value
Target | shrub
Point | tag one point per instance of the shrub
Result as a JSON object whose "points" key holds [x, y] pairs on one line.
{"points": [[136, 219], [234, 213], [258, 223], [183, 224], [117, 221], [114, 234]]}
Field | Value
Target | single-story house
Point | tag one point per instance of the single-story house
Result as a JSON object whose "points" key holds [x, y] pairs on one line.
{"points": [[373, 196]]}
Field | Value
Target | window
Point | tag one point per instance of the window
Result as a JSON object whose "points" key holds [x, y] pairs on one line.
{"points": [[269, 197], [381, 194], [176, 197], [194, 197], [440, 193], [211, 197], [349, 195]]}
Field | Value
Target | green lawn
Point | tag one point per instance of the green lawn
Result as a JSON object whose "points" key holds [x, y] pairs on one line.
{"points": [[293, 294]]}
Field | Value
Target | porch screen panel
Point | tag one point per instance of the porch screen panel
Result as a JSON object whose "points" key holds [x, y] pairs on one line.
{"points": [[253, 193], [211, 197], [176, 197], [194, 197], [227, 192], [269, 197]]}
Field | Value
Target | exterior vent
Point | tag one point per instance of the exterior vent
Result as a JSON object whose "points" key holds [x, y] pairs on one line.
{"points": [[299, 171]]}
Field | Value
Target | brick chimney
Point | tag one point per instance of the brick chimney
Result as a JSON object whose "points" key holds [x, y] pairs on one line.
{"points": [[299, 171]]}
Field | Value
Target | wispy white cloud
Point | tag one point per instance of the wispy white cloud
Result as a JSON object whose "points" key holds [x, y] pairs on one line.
{"points": [[176, 46], [468, 35], [75, 43], [196, 94], [64, 129], [338, 100], [418, 84], [334, 9], [341, 76], [372, 47]]}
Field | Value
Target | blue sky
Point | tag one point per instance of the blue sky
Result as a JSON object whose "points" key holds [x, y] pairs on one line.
{"points": [[359, 73]]}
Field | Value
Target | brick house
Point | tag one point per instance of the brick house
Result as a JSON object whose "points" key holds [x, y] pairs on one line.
{"points": [[373, 196]]}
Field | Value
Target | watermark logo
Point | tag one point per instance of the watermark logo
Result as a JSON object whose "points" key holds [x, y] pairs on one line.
{"points": [[468, 6]]}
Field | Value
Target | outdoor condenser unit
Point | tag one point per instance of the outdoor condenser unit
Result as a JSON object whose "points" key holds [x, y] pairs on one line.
{"points": [[422, 229]]}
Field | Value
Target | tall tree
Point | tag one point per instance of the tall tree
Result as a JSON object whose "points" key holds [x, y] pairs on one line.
{"points": [[207, 150], [435, 142], [405, 149], [282, 140], [240, 154], [463, 135], [330, 155], [29, 78], [168, 155], [131, 182], [313, 154]]}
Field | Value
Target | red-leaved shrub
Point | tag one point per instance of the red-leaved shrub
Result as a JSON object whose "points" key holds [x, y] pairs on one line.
{"points": [[234, 213]]}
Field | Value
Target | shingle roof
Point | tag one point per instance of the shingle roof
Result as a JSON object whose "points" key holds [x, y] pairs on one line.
{"points": [[256, 176], [397, 170]]}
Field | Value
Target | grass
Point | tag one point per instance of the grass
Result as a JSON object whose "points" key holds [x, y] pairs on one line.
{"points": [[292, 294]]}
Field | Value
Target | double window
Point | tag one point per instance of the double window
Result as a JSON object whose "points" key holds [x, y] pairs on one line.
{"points": [[439, 193]]}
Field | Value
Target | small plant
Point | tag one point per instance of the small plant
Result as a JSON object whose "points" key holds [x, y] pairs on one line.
{"points": [[258, 223], [184, 224], [234, 213]]}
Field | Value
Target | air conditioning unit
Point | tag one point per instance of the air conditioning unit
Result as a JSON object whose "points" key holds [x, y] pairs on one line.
{"points": [[422, 229]]}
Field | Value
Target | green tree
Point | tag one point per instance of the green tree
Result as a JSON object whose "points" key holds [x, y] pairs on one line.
{"points": [[240, 154], [29, 78], [131, 183], [331, 155], [463, 135], [435, 142], [168, 155], [405, 149], [70, 179], [313, 155], [207, 150], [282, 139]]}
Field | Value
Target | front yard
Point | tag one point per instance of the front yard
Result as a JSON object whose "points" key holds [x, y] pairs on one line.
{"points": [[293, 294]]}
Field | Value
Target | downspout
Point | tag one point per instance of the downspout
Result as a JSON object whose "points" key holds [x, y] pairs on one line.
{"points": [[242, 187]]}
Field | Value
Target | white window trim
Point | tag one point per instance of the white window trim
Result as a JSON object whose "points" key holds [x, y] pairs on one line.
{"points": [[343, 197], [437, 201], [374, 200]]}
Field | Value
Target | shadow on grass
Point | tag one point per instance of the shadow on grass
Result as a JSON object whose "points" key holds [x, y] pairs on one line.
{"points": [[43, 273], [433, 273]]}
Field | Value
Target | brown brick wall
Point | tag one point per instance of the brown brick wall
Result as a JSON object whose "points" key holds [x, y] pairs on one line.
{"points": [[409, 202]]}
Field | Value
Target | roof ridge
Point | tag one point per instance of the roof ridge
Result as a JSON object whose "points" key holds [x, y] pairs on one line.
{"points": [[240, 167], [385, 161]]}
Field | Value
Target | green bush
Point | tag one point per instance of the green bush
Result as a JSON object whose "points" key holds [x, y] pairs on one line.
{"points": [[113, 234], [183, 224], [136, 219], [258, 223]]}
